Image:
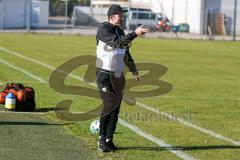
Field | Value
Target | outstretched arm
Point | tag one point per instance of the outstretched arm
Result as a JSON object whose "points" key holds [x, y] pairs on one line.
{"points": [[111, 36]]}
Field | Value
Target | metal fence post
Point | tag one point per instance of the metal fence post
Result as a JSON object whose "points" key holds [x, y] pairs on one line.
{"points": [[128, 19], [66, 12], [235, 20], [1, 13], [28, 16]]}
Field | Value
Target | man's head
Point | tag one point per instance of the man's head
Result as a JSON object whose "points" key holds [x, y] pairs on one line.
{"points": [[115, 15]]}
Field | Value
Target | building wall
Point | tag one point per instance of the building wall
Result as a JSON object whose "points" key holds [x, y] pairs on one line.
{"points": [[13, 13], [108, 3], [44, 13], [226, 7], [194, 12], [182, 11], [17, 13]]}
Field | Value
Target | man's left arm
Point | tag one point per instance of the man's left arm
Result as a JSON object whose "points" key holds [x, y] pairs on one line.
{"points": [[131, 65]]}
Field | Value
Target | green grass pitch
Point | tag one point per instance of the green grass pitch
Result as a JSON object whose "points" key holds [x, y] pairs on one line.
{"points": [[205, 76]]}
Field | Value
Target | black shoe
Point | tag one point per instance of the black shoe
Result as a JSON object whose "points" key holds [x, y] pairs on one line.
{"points": [[102, 145], [111, 145]]}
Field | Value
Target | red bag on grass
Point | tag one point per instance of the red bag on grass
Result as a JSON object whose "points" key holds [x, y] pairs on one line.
{"points": [[25, 96]]}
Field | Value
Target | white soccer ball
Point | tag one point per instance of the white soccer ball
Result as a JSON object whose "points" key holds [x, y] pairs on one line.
{"points": [[94, 127]]}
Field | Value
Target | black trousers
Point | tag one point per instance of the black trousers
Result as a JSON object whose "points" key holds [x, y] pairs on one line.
{"points": [[111, 91]]}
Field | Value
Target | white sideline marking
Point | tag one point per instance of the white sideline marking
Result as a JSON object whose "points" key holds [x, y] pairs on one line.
{"points": [[182, 121], [149, 137], [22, 70], [3, 81], [191, 125], [155, 140], [38, 62], [81, 79], [205, 98], [27, 58]]}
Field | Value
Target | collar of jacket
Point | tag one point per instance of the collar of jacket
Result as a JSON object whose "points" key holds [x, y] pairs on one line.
{"points": [[111, 25]]}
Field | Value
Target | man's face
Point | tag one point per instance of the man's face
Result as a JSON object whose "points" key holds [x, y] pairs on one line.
{"points": [[117, 19]]}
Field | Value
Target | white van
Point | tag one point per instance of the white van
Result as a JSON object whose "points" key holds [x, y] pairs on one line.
{"points": [[147, 18]]}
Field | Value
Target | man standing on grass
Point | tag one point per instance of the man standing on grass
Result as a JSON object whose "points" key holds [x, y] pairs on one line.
{"points": [[112, 53]]}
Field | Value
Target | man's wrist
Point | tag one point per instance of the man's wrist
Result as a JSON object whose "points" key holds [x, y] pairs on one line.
{"points": [[134, 34], [135, 73]]}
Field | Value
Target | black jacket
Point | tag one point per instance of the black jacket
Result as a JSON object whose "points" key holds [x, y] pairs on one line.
{"points": [[115, 37]]}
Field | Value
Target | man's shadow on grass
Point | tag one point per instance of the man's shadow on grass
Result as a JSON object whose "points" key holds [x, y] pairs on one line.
{"points": [[27, 123], [43, 110], [47, 109], [182, 148]]}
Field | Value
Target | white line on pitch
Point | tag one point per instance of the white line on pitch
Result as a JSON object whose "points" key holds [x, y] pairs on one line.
{"points": [[191, 125], [205, 98], [155, 140], [81, 79], [3, 82], [22, 70], [182, 121], [149, 137]]}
